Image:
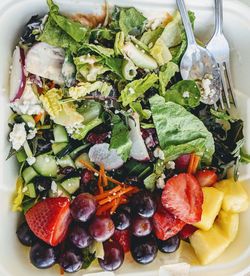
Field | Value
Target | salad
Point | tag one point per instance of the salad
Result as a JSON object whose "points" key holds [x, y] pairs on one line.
{"points": [[116, 152]]}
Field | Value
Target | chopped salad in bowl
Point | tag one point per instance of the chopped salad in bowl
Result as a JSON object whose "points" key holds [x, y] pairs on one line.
{"points": [[117, 153]]}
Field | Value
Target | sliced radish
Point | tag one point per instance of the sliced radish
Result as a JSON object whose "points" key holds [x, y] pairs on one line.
{"points": [[17, 76], [138, 150], [46, 61], [101, 154]]}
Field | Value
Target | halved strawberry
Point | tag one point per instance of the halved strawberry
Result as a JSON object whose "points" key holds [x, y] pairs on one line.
{"points": [[123, 238], [49, 219], [182, 196], [187, 231], [165, 224], [207, 178]]}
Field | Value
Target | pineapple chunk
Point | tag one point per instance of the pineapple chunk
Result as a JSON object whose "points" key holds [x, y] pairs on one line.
{"points": [[208, 245], [187, 253], [235, 197], [210, 207]]}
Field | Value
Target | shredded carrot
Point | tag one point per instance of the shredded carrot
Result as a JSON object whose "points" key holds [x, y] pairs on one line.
{"points": [[104, 208], [123, 200], [110, 192], [38, 117], [191, 163], [116, 204], [195, 164], [105, 180]]}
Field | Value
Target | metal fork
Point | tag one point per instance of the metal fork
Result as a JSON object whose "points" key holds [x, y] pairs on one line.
{"points": [[219, 47]]}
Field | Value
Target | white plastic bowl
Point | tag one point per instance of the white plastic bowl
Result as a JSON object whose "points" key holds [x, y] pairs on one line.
{"points": [[14, 259]]}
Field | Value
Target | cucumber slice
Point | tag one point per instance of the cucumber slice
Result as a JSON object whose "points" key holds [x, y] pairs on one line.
{"points": [[21, 156], [71, 185], [31, 191], [58, 147], [78, 150], [85, 157], [28, 174], [60, 134], [128, 69], [46, 165], [66, 161], [29, 120], [59, 191]]}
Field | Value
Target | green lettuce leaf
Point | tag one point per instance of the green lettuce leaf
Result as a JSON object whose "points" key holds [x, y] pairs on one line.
{"points": [[150, 37], [222, 115], [137, 88], [120, 139], [150, 181], [160, 52], [143, 113], [131, 21], [179, 131], [165, 75], [185, 93], [100, 50]]}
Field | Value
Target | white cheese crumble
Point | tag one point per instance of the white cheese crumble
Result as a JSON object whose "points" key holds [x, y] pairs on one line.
{"points": [[170, 165], [74, 128], [32, 133], [186, 94], [158, 153], [206, 91], [53, 187], [40, 188], [31, 160], [18, 136], [160, 183], [131, 90], [25, 189], [28, 103]]}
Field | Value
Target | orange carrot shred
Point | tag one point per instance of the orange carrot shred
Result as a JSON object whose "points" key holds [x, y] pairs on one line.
{"points": [[107, 193], [99, 183], [38, 117], [191, 163], [88, 166], [105, 180], [195, 164], [104, 208], [116, 204]]}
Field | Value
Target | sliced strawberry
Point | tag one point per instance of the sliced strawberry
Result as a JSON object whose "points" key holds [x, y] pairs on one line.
{"points": [[187, 231], [49, 219], [165, 224], [182, 196], [207, 178], [123, 238]]}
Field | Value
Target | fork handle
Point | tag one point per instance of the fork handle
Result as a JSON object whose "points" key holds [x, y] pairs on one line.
{"points": [[218, 16], [186, 22]]}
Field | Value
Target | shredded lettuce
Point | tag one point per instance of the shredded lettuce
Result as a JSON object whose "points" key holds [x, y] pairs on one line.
{"points": [[119, 43], [179, 131], [137, 88], [150, 37], [143, 113], [19, 195], [165, 75]]}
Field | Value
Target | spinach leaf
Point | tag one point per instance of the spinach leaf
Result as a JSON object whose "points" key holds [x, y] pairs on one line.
{"points": [[185, 93], [120, 140], [131, 21], [179, 131], [137, 88], [165, 75]]}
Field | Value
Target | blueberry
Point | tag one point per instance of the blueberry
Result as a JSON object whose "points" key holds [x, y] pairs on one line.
{"points": [[25, 235]]}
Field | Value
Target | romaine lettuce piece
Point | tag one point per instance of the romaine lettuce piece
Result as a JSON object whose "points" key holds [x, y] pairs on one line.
{"points": [[149, 37], [179, 131], [165, 75], [143, 113], [119, 43], [160, 52]]}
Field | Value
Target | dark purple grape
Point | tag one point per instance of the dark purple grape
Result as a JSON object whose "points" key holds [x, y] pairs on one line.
{"points": [[79, 236], [101, 228], [42, 255], [144, 249], [83, 207], [170, 245], [70, 260], [66, 170], [143, 204], [121, 219], [125, 207], [25, 235], [141, 227], [97, 138], [113, 256], [42, 183], [86, 176]]}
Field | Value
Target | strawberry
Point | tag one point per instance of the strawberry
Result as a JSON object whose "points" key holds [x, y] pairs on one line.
{"points": [[165, 224], [207, 178], [49, 219], [123, 238], [182, 196], [187, 231]]}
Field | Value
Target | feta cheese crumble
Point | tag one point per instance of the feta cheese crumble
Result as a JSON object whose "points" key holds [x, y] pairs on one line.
{"points": [[53, 187], [170, 165], [160, 183], [32, 133], [131, 90], [158, 153], [31, 160], [186, 94], [18, 136]]}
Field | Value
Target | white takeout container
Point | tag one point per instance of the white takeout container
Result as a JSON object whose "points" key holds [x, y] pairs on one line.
{"points": [[14, 260]]}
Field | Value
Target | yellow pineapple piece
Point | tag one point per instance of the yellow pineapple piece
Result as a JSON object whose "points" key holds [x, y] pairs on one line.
{"points": [[210, 207], [235, 197]]}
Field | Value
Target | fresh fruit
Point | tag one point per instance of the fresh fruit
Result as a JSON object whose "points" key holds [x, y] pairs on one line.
{"points": [[141, 227], [70, 260], [121, 219], [206, 178], [123, 238], [25, 235], [210, 207], [42, 255], [208, 245], [101, 228], [170, 245], [143, 204], [182, 196], [79, 236], [49, 219], [144, 249], [235, 197], [83, 207], [182, 162], [187, 231], [113, 256], [165, 224], [187, 253]]}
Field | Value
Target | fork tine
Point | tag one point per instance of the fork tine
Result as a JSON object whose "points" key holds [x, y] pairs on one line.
{"points": [[224, 84], [230, 82], [221, 101]]}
